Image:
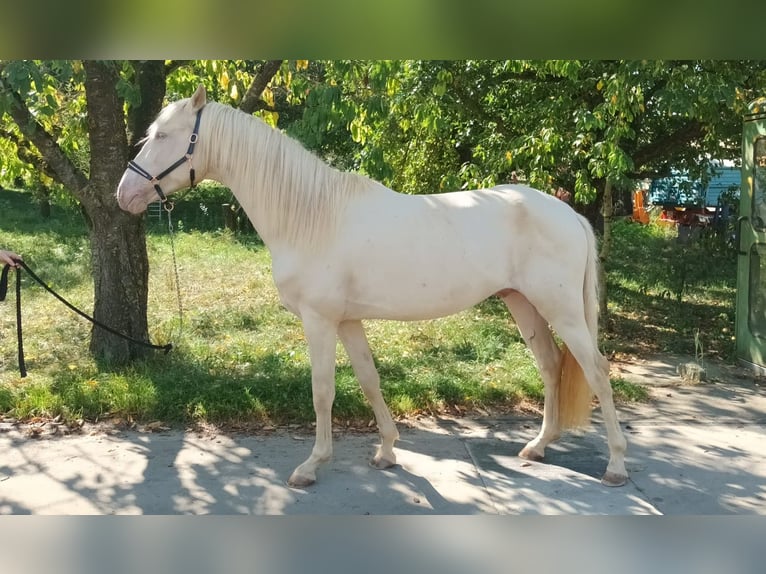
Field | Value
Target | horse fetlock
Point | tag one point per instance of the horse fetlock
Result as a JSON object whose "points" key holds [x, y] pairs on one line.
{"points": [[301, 478], [532, 453], [614, 479], [381, 461], [389, 437]]}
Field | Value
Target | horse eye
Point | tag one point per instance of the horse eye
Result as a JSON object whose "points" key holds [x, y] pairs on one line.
{"points": [[161, 135]]}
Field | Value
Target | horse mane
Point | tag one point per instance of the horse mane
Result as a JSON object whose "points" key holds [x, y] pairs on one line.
{"points": [[294, 194]]}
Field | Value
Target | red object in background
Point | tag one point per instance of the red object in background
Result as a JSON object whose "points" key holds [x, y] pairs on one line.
{"points": [[639, 211]]}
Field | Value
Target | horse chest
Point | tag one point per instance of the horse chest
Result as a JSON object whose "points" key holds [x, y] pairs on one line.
{"points": [[302, 284]]}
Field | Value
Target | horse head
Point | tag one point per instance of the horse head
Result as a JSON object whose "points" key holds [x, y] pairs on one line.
{"points": [[166, 162]]}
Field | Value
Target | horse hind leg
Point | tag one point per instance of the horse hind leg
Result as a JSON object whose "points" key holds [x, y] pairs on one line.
{"points": [[534, 329], [355, 342], [576, 335]]}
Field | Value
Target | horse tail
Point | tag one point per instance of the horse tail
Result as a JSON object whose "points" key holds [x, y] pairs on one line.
{"points": [[575, 394], [590, 282]]}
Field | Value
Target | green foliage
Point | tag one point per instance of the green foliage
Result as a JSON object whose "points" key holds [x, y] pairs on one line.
{"points": [[209, 192], [127, 88], [203, 209], [53, 92], [425, 126], [629, 391]]}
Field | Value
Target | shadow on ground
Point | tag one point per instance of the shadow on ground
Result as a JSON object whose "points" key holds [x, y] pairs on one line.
{"points": [[692, 450]]}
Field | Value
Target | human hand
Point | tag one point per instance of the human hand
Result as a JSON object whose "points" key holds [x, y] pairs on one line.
{"points": [[10, 258]]}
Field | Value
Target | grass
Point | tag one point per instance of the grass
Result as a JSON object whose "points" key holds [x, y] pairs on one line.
{"points": [[665, 297], [241, 359]]}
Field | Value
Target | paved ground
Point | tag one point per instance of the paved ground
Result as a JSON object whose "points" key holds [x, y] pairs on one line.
{"points": [[694, 449]]}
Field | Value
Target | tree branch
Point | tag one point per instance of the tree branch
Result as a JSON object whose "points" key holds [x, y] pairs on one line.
{"points": [[28, 154], [172, 65], [252, 100], [662, 147], [66, 172], [150, 78]]}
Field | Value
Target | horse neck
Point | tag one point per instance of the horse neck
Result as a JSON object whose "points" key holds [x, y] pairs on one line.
{"points": [[279, 184]]}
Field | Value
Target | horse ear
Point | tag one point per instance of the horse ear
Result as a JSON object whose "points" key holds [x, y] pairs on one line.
{"points": [[199, 99]]}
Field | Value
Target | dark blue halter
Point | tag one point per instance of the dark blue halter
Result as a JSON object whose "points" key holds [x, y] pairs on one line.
{"points": [[133, 166]]}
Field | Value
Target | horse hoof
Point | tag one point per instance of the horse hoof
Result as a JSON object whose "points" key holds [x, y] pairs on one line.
{"points": [[382, 463], [300, 481], [530, 454], [614, 479]]}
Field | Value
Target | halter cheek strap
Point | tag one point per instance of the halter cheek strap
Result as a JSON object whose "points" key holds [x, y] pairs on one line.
{"points": [[155, 180]]}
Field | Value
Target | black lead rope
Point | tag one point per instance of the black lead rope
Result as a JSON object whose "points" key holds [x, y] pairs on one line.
{"points": [[4, 290]]}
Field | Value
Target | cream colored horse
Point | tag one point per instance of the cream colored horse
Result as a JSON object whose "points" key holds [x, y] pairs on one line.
{"points": [[345, 248]]}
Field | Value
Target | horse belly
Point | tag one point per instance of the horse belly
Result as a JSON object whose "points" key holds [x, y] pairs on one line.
{"points": [[415, 285], [413, 305]]}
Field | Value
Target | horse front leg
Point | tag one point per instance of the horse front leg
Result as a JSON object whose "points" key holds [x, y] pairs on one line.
{"points": [[321, 335], [355, 342]]}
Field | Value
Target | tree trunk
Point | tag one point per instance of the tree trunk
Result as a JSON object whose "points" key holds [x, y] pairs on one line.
{"points": [[121, 284], [606, 248], [593, 211], [45, 207], [118, 243]]}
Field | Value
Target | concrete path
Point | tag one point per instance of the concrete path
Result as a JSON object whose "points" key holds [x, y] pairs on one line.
{"points": [[694, 449]]}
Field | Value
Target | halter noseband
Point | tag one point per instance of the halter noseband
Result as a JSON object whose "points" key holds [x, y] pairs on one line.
{"points": [[133, 166]]}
